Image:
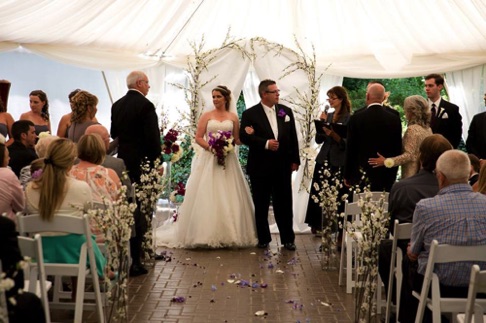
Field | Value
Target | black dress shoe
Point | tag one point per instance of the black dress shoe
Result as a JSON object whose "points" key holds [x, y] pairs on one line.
{"points": [[289, 246], [262, 245], [137, 270]]}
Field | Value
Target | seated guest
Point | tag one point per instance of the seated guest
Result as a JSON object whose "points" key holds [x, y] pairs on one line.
{"points": [[404, 195], [104, 182], [22, 151], [83, 112], [11, 193], [54, 192], [455, 216], [475, 166], [28, 307], [117, 164], [39, 111], [41, 150], [418, 118], [480, 185]]}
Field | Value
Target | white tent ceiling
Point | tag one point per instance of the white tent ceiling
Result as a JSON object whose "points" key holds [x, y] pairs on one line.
{"points": [[356, 38]]}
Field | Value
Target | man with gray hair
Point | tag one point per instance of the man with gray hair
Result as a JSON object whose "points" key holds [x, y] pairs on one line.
{"points": [[134, 122], [455, 216]]}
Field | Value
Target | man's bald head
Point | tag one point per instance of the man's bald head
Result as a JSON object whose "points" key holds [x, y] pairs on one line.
{"points": [[375, 94], [101, 131]]}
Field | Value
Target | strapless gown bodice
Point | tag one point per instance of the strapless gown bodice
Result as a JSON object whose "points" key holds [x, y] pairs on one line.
{"points": [[218, 210]]}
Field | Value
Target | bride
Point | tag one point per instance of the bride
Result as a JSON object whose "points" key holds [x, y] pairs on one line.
{"points": [[217, 211]]}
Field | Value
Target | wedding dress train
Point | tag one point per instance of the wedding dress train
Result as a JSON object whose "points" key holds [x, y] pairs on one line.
{"points": [[217, 211]]}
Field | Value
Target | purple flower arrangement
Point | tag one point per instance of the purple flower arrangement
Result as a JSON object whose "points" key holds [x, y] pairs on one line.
{"points": [[171, 151], [221, 144]]}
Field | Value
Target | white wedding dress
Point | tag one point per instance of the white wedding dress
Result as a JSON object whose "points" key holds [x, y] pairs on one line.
{"points": [[217, 211]]}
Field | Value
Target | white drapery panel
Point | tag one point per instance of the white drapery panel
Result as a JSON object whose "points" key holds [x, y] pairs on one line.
{"points": [[359, 38], [466, 89]]}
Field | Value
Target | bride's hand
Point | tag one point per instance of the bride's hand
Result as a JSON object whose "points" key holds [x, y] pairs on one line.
{"points": [[249, 130]]}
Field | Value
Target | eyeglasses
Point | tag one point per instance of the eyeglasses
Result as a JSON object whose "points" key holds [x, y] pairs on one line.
{"points": [[273, 92], [147, 82]]}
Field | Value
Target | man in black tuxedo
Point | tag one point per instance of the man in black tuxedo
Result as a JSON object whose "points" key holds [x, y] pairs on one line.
{"points": [[371, 131], [476, 136], [134, 122], [268, 128], [446, 119]]}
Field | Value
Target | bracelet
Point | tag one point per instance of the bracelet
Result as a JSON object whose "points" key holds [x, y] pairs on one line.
{"points": [[389, 163]]}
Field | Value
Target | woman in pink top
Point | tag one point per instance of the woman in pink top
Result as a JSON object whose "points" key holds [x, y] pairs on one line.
{"points": [[12, 199]]}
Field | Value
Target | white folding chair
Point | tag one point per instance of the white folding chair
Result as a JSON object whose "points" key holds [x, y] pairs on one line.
{"points": [[444, 254], [474, 310], [401, 232], [74, 225], [375, 196], [348, 245], [37, 282]]}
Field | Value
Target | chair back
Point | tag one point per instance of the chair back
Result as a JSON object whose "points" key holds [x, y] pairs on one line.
{"points": [[477, 284], [32, 224], [402, 231], [38, 283], [444, 254], [375, 196]]}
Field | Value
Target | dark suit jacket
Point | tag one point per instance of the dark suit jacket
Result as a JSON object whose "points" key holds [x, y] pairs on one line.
{"points": [[476, 137], [134, 122], [448, 122], [20, 156], [331, 150], [371, 131], [260, 160], [10, 253]]}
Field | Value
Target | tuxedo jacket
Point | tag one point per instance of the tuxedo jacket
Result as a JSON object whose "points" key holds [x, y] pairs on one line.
{"points": [[134, 122], [260, 160], [476, 137], [371, 131], [448, 122]]}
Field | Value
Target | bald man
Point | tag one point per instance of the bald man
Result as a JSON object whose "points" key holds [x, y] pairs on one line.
{"points": [[371, 131], [117, 164]]}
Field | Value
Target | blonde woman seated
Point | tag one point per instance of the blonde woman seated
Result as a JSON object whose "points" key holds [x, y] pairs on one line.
{"points": [[418, 117], [104, 182], [53, 193]]}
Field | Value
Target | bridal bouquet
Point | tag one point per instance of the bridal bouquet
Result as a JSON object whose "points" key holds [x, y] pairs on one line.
{"points": [[171, 150], [221, 144], [177, 195]]}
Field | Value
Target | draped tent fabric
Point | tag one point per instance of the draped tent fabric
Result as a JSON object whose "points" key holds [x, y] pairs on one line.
{"points": [[350, 38], [359, 38]]}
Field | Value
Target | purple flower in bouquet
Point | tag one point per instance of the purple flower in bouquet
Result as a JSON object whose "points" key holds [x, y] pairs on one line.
{"points": [[221, 144], [281, 113]]}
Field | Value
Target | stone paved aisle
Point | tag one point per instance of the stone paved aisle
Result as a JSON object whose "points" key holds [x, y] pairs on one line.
{"points": [[297, 290]]}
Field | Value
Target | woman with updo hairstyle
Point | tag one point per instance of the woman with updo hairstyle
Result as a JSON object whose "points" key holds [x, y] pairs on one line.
{"points": [[104, 182], [39, 111], [84, 108], [417, 113], [53, 193], [226, 205]]}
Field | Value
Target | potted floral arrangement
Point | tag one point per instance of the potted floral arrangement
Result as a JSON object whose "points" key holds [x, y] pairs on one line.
{"points": [[171, 150]]}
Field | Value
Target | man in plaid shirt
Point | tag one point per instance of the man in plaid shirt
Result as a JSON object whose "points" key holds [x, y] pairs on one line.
{"points": [[456, 216]]}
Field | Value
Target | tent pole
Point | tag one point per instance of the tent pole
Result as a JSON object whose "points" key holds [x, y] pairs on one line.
{"points": [[107, 86]]}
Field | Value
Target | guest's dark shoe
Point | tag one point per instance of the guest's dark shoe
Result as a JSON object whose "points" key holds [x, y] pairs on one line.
{"points": [[137, 270], [289, 246], [262, 245]]}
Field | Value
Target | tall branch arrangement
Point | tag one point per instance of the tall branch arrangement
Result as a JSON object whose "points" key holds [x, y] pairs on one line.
{"points": [[115, 220], [196, 64], [306, 105]]}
